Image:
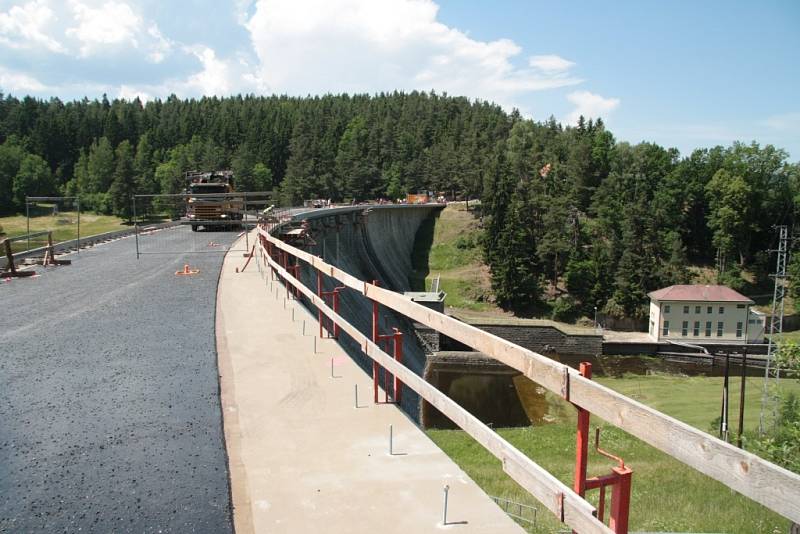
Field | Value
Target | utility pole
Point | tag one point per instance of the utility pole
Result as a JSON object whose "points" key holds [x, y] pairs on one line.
{"points": [[772, 372]]}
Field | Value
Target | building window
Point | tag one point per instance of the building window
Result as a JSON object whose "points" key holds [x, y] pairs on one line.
{"points": [[709, 310], [720, 328], [685, 328], [721, 310], [665, 331], [696, 329], [666, 308], [651, 328], [697, 309], [686, 309], [708, 328], [739, 329], [740, 306]]}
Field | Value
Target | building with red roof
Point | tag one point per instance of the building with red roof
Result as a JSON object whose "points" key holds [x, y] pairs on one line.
{"points": [[704, 314]]}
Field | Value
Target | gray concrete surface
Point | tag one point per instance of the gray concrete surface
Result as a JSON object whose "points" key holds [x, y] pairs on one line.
{"points": [[109, 400], [375, 246], [304, 458]]}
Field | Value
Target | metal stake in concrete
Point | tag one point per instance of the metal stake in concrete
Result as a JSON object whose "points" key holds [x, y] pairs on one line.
{"points": [[355, 390], [332, 375], [390, 440], [444, 515]]}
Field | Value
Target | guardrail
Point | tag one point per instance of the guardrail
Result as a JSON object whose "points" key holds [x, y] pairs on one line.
{"points": [[768, 484]]}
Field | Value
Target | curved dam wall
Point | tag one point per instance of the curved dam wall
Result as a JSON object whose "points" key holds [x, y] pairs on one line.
{"points": [[371, 243]]}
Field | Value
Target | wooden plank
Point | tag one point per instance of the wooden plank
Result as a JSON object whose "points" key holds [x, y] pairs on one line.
{"points": [[578, 513], [768, 484]]}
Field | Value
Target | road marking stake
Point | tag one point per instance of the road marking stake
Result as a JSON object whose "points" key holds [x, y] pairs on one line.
{"points": [[444, 515], [355, 388], [390, 440]]}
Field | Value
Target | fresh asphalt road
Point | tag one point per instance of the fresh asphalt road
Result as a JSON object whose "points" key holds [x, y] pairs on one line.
{"points": [[109, 394]]}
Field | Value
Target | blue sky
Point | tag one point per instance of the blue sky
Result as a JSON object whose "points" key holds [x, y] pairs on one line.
{"points": [[683, 74]]}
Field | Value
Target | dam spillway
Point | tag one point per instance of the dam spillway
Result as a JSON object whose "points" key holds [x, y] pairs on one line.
{"points": [[371, 243]]}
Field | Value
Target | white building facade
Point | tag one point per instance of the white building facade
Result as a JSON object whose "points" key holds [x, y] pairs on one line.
{"points": [[704, 314]]}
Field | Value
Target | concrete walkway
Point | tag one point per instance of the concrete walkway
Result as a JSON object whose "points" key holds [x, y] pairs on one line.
{"points": [[303, 458]]}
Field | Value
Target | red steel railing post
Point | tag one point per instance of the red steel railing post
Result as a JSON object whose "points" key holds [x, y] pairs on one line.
{"points": [[375, 340], [319, 294], [398, 356], [582, 440], [336, 311], [620, 501]]}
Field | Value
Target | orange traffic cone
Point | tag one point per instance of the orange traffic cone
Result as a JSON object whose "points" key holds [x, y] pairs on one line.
{"points": [[187, 271]]}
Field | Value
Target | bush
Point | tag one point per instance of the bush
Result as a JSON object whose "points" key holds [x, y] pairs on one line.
{"points": [[564, 309], [97, 202], [465, 242]]}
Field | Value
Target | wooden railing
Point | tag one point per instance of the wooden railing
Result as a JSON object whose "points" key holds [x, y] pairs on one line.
{"points": [[768, 484]]}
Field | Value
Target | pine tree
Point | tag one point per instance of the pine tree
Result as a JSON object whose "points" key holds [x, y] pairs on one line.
{"points": [[122, 188]]}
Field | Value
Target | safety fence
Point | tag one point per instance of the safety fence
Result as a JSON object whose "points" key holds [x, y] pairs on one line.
{"points": [[59, 215], [772, 486]]}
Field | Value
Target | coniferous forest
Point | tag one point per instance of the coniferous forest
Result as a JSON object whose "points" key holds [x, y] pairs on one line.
{"points": [[566, 207]]}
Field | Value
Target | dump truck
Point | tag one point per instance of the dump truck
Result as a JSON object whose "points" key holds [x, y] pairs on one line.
{"points": [[211, 200]]}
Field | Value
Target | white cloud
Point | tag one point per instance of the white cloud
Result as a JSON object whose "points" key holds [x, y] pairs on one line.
{"points": [[29, 26], [786, 122], [19, 81], [216, 77], [317, 46], [590, 105], [160, 45], [551, 63], [112, 23]]}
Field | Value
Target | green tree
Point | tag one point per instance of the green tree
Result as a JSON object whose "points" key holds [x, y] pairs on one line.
{"points": [[33, 178], [122, 188], [355, 171], [729, 199], [100, 167], [11, 156], [262, 177]]}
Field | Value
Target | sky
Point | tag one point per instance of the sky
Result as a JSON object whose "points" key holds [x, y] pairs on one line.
{"points": [[679, 73]]}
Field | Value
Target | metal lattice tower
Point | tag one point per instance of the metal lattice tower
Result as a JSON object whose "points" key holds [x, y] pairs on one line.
{"points": [[772, 371]]}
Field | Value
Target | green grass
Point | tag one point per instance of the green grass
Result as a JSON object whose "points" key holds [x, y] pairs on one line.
{"points": [[667, 495], [455, 255], [64, 226]]}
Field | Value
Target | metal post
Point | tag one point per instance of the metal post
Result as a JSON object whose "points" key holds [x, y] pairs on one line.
{"points": [[620, 500], [582, 439], [336, 311], [741, 398], [444, 514], [28, 222], [355, 394], [244, 224], [135, 228], [332, 375], [391, 452], [375, 340], [723, 426], [398, 356], [78, 200], [319, 294]]}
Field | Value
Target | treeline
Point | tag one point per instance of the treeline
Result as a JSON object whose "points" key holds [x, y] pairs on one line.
{"points": [[565, 208], [571, 209], [339, 147]]}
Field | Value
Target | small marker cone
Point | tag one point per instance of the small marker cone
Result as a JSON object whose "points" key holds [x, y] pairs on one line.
{"points": [[187, 271]]}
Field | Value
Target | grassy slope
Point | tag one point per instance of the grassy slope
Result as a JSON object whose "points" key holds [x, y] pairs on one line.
{"points": [[667, 495], [64, 226], [464, 277]]}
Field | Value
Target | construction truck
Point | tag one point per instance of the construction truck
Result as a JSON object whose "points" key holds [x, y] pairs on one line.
{"points": [[211, 201]]}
